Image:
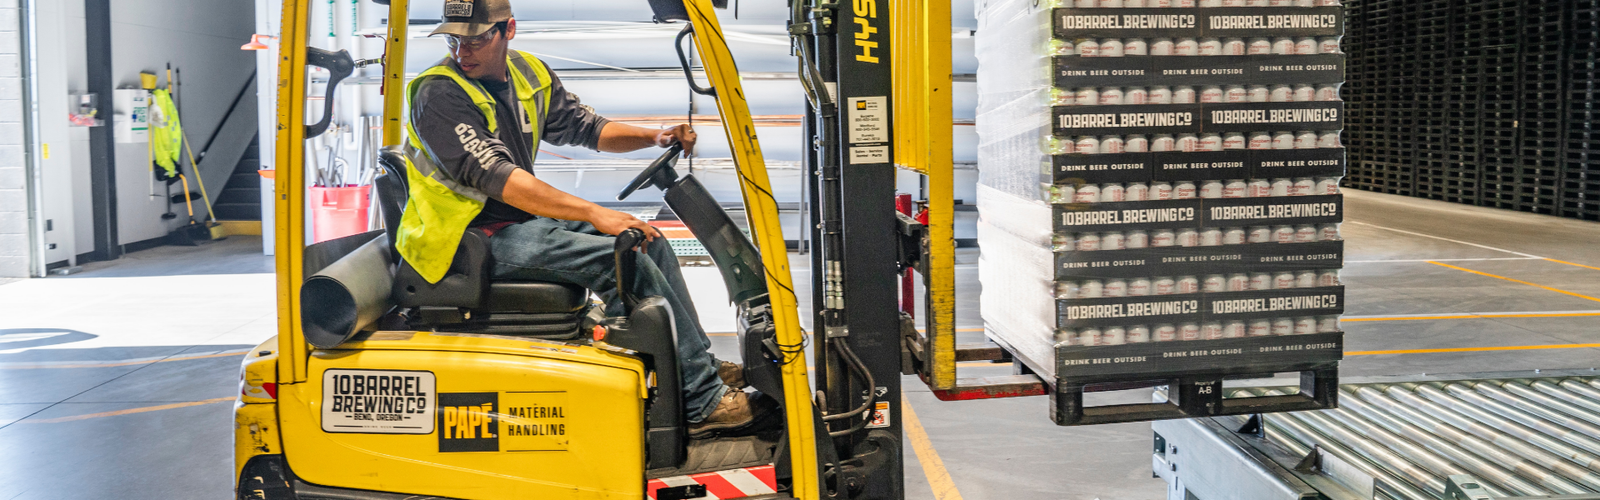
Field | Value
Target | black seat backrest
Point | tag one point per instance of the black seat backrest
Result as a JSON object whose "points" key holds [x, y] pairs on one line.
{"points": [[393, 191]]}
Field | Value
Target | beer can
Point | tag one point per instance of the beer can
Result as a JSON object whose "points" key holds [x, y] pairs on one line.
{"points": [[1281, 187], [1184, 190], [1061, 194], [1303, 93], [1211, 94], [1110, 96], [1327, 324], [1089, 145], [1113, 241], [1257, 93], [1136, 143], [1057, 146], [1282, 326], [1183, 95], [1111, 47], [1260, 140], [1238, 282], [1304, 46], [1280, 3], [1328, 3], [1063, 48], [1305, 3], [1328, 232], [1211, 189], [1188, 238], [1138, 239], [1234, 188], [1139, 287], [1282, 280], [1087, 193], [1258, 188], [1280, 46], [1233, 46], [1211, 237], [1233, 3], [1233, 329], [1110, 145], [1260, 234], [1112, 192], [1135, 46], [1283, 234], [1233, 236], [1088, 242], [1183, 47], [1234, 140], [1163, 238], [1211, 330], [1276, 93], [1189, 331], [1235, 94], [1165, 333], [1091, 289], [1305, 233], [1116, 287], [1133, 4], [1087, 47], [1110, 4], [1163, 143], [1283, 139], [1206, 4], [1161, 47], [1327, 185], [1066, 336], [1136, 191], [1305, 325], [1260, 327], [1329, 45], [1060, 242], [1210, 142], [1329, 139], [1305, 139], [1063, 97], [1214, 283], [1138, 334], [1159, 95], [1135, 95], [1160, 190], [1256, 3], [1088, 96], [1260, 281], [1259, 47], [1302, 186], [1305, 279], [1115, 335], [1089, 336], [1164, 285], [1086, 4], [1066, 290], [1183, 4], [1328, 277], [1187, 143], [1328, 92]]}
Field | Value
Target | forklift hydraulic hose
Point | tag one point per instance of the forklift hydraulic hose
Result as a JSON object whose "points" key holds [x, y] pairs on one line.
{"points": [[347, 296]]}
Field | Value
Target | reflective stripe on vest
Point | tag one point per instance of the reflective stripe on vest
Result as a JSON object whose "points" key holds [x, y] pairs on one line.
{"points": [[440, 207]]}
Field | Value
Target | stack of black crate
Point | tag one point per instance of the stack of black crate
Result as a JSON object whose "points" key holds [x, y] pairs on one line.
{"points": [[1580, 175]]}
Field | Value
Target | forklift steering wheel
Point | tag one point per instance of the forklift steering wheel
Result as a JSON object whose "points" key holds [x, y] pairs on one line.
{"points": [[659, 174]]}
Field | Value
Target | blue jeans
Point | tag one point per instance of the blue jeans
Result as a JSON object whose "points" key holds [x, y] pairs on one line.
{"points": [[545, 249]]}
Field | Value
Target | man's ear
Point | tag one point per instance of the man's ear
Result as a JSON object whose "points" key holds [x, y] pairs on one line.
{"points": [[511, 28]]}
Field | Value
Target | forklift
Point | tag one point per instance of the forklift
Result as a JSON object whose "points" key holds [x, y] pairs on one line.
{"points": [[382, 385]]}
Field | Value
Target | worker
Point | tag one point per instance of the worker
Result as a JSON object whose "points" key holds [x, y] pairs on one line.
{"points": [[476, 121]]}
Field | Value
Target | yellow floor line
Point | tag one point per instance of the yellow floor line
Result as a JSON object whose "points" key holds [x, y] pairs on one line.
{"points": [[944, 488], [109, 364], [1481, 273], [1473, 349], [1468, 316], [1573, 264], [129, 411]]}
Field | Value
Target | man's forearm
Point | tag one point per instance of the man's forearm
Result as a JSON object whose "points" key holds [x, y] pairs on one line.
{"points": [[622, 138], [536, 197]]}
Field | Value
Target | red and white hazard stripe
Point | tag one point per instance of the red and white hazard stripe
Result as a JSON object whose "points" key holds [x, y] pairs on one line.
{"points": [[732, 483]]}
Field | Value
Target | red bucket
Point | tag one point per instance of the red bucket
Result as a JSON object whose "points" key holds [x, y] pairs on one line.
{"points": [[337, 212]]}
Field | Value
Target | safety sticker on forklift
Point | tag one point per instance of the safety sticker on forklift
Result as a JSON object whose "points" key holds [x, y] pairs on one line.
{"points": [[869, 119], [880, 415], [869, 155], [377, 401]]}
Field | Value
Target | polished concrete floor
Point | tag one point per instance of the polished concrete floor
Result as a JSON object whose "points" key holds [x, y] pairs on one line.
{"points": [[116, 382]]}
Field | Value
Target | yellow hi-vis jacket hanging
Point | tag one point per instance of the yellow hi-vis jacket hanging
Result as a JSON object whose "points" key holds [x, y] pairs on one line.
{"points": [[166, 134], [440, 207]]}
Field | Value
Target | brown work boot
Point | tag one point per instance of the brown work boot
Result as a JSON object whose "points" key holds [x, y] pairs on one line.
{"points": [[733, 411], [732, 374]]}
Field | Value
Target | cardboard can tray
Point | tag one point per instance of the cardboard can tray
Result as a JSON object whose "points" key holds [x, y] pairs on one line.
{"points": [[1077, 169], [1196, 213], [1198, 261], [1196, 118], [1224, 22], [1145, 71], [1153, 310]]}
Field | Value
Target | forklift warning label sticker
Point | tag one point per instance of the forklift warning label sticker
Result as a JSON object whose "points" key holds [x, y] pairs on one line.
{"points": [[869, 119], [377, 401], [880, 416]]}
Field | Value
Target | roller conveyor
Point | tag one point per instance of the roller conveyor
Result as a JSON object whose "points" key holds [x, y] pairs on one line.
{"points": [[1473, 437]]}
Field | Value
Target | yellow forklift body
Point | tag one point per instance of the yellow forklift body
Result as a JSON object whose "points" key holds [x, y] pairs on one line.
{"points": [[469, 416]]}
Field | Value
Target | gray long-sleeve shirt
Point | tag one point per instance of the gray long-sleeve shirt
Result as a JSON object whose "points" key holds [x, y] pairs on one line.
{"points": [[456, 135]]}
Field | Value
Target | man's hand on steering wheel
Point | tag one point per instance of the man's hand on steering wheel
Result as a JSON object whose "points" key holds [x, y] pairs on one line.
{"points": [[681, 133]]}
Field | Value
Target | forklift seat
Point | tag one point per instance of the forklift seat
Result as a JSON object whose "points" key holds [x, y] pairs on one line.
{"points": [[467, 299]]}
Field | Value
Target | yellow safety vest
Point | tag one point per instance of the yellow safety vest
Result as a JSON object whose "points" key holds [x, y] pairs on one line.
{"points": [[441, 207]]}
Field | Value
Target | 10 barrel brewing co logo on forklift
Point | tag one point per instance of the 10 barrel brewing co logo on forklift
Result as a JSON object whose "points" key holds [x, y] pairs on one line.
{"points": [[403, 402]]}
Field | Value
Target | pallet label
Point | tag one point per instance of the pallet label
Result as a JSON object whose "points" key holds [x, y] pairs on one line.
{"points": [[1127, 119], [1202, 165], [1119, 216], [1247, 117], [1271, 21], [1233, 212], [1099, 169]]}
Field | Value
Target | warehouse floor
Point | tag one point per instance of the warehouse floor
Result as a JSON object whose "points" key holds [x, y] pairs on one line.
{"points": [[126, 369]]}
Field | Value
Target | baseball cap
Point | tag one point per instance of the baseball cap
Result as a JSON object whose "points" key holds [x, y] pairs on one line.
{"points": [[472, 17]]}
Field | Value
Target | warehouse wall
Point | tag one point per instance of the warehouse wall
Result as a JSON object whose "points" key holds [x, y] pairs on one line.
{"points": [[13, 199]]}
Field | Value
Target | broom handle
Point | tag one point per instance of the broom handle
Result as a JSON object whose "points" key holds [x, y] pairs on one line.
{"points": [[187, 203]]}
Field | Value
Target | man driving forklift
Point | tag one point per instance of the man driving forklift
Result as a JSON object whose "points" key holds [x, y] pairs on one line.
{"points": [[476, 120]]}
